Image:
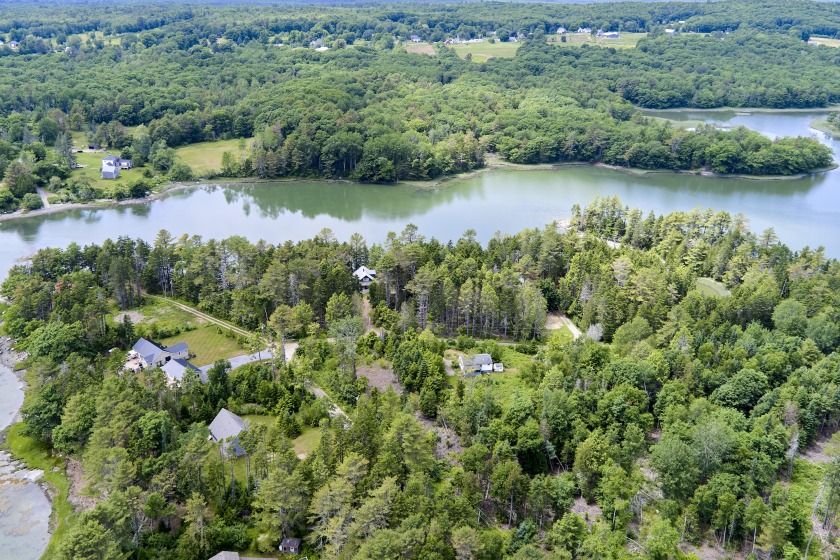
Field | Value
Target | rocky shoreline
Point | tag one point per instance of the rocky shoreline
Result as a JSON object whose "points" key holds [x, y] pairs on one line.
{"points": [[13, 471]]}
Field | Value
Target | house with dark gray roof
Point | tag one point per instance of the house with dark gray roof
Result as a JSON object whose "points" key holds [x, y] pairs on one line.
{"points": [[176, 368], [290, 546], [147, 353], [225, 429], [479, 363]]}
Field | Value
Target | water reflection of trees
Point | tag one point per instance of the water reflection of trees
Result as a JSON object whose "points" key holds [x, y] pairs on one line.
{"points": [[347, 202]]}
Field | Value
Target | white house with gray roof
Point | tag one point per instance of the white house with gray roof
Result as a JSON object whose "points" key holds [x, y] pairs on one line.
{"points": [[176, 368], [365, 276], [146, 353], [478, 364], [225, 429]]}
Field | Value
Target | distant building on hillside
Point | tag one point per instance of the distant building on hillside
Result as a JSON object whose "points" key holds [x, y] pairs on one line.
{"points": [[415, 38], [584, 30], [561, 30]]}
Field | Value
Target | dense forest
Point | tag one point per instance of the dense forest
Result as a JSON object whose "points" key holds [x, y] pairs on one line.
{"points": [[333, 93], [675, 423]]}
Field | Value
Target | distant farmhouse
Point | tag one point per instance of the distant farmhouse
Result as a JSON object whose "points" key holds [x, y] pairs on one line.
{"points": [[365, 276], [146, 354], [584, 30], [561, 30], [111, 166], [225, 429], [608, 34]]}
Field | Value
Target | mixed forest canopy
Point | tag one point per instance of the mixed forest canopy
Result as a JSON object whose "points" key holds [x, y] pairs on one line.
{"points": [[676, 420], [333, 93]]}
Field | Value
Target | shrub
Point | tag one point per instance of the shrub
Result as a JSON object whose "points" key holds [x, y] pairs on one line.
{"points": [[32, 201]]}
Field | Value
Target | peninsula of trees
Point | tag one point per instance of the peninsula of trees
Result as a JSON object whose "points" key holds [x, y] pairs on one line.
{"points": [[676, 422]]}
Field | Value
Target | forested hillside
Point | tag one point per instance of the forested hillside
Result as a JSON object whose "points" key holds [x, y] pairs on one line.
{"points": [[676, 422], [333, 93]]}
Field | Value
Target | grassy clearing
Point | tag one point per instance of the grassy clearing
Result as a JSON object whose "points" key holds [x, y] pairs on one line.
{"points": [[626, 41], [207, 344], [825, 41], [678, 124], [37, 456], [205, 157], [824, 126], [93, 164], [161, 310], [482, 52], [709, 287], [421, 48], [306, 443]]}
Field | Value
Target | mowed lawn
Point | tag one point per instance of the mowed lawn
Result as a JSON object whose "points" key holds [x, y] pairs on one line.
{"points": [[482, 52], [208, 345], [626, 41], [92, 170], [205, 157]]}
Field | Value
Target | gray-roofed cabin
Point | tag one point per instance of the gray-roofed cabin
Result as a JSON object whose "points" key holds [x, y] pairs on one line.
{"points": [[225, 429], [290, 546]]}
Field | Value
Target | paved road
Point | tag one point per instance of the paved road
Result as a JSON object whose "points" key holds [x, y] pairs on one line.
{"points": [[267, 354]]}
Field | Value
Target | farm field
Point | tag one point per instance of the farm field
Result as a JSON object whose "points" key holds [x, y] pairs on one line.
{"points": [[421, 48], [825, 41], [626, 41], [482, 52], [205, 157]]}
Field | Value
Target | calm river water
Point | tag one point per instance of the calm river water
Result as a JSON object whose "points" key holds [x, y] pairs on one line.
{"points": [[803, 211]]}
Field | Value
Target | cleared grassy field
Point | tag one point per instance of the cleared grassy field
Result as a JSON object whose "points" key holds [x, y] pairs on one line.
{"points": [[626, 41], [208, 345], [710, 287], [678, 124], [420, 48], [93, 164], [826, 41], [306, 442], [482, 52], [207, 156]]}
